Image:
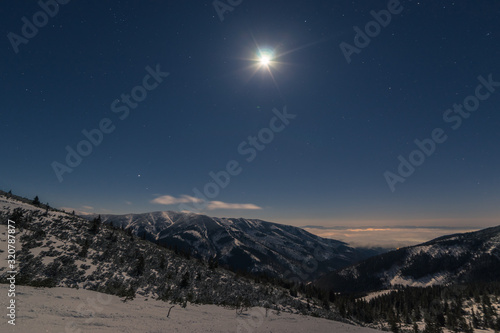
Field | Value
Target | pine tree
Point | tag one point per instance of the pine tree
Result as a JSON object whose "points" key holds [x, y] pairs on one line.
{"points": [[468, 328], [212, 263], [85, 248], [431, 326], [139, 268], [36, 201], [185, 281], [95, 224], [393, 322], [475, 320]]}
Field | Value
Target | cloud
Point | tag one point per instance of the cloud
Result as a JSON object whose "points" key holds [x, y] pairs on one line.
{"points": [[88, 207], [210, 205], [170, 200], [224, 205]]}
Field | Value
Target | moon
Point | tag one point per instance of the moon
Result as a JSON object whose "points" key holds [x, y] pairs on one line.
{"points": [[265, 58]]}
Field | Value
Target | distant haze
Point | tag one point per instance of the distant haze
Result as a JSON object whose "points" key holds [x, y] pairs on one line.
{"points": [[389, 237]]}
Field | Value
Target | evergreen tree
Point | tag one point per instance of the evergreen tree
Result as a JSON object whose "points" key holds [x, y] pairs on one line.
{"points": [[36, 201], [85, 248], [475, 320], [95, 224], [139, 268], [213, 263], [394, 325], [431, 326], [185, 281]]}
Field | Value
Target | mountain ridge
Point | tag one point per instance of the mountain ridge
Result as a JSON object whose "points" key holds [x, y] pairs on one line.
{"points": [[251, 245], [58, 249], [456, 258]]}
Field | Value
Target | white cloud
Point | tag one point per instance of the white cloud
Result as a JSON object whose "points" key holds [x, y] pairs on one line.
{"points": [[210, 205], [224, 205], [170, 200], [88, 207]]}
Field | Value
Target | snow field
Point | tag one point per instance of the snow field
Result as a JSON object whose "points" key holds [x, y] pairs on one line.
{"points": [[66, 310]]}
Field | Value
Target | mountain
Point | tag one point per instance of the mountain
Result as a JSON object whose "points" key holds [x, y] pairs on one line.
{"points": [[459, 258], [243, 244], [56, 249]]}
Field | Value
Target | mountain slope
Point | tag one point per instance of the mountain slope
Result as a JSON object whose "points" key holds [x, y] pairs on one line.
{"points": [[56, 249], [243, 244], [458, 258], [71, 310]]}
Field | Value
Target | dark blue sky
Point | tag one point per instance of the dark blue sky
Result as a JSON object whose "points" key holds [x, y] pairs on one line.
{"points": [[326, 166]]}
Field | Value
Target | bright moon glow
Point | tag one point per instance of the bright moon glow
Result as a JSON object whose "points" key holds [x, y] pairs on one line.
{"points": [[265, 58]]}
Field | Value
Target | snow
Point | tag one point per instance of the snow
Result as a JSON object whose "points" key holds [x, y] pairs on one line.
{"points": [[376, 294], [437, 251], [11, 204], [71, 310], [193, 233], [426, 281], [493, 244], [350, 272]]}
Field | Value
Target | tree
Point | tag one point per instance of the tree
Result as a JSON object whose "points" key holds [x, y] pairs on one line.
{"points": [[393, 322], [431, 326], [129, 294], [85, 248], [475, 320], [139, 268], [212, 263], [96, 223], [36, 201], [185, 281]]}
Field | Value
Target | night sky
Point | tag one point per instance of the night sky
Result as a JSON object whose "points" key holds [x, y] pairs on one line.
{"points": [[169, 93]]}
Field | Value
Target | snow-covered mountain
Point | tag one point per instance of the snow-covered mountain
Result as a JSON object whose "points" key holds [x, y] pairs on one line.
{"points": [[57, 249], [458, 258], [243, 244]]}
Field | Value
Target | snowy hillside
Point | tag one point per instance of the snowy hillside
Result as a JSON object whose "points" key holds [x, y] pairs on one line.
{"points": [[71, 310], [242, 244], [459, 258], [56, 249]]}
